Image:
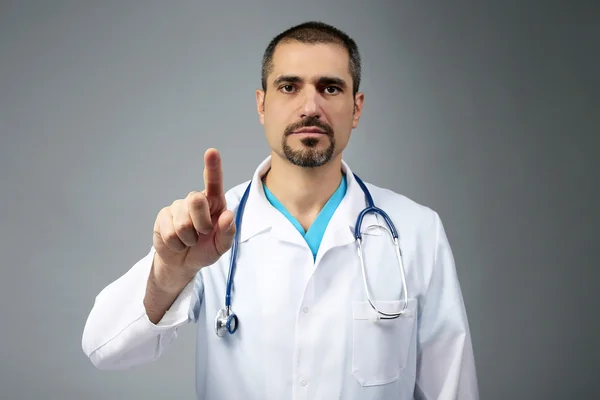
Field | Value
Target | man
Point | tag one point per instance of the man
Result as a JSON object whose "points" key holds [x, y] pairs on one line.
{"points": [[307, 325]]}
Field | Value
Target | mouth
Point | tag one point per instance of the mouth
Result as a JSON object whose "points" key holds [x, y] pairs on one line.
{"points": [[315, 131]]}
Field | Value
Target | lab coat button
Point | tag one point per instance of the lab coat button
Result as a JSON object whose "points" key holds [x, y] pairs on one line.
{"points": [[303, 383], [305, 309]]}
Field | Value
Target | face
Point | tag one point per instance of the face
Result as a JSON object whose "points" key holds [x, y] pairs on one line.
{"points": [[308, 110]]}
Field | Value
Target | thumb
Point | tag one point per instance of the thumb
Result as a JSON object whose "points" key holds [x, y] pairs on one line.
{"points": [[225, 232]]}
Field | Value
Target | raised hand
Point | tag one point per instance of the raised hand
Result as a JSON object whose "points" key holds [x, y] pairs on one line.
{"points": [[195, 231]]}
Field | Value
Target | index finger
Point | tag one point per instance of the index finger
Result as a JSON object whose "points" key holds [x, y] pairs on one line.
{"points": [[213, 173]]}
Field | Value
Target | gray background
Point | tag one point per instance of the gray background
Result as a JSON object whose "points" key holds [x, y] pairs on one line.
{"points": [[489, 114]]}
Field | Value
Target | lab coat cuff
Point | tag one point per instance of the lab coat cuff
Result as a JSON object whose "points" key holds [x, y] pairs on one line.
{"points": [[178, 313]]}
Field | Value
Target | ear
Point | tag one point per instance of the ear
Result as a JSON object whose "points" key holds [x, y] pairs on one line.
{"points": [[260, 105], [359, 100]]}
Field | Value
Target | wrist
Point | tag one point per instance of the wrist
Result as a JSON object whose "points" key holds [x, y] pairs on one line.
{"points": [[169, 279]]}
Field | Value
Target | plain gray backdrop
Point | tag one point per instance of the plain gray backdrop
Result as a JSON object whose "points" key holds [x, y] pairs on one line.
{"points": [[487, 112]]}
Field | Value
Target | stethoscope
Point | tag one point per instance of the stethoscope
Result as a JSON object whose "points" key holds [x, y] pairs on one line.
{"points": [[227, 321]]}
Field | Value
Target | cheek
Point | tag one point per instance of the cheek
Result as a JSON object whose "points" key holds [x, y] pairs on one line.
{"points": [[272, 122], [274, 126], [344, 121], [276, 118]]}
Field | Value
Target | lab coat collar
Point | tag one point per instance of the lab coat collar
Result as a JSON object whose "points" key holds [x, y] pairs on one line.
{"points": [[260, 216], [340, 230]]}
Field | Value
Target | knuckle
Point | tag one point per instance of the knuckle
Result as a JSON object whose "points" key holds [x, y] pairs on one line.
{"points": [[163, 212], [192, 194], [172, 240], [182, 227], [163, 215], [167, 232], [198, 200], [176, 204]]}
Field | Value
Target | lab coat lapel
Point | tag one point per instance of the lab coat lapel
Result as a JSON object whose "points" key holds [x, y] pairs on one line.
{"points": [[260, 215], [257, 216], [340, 230]]}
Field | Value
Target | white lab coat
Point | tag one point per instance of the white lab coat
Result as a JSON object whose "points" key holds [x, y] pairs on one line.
{"points": [[306, 330]]}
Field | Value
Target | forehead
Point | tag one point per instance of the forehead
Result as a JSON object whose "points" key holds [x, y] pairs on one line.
{"points": [[310, 60]]}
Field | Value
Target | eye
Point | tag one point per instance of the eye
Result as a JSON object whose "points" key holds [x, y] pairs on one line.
{"points": [[287, 88], [332, 90]]}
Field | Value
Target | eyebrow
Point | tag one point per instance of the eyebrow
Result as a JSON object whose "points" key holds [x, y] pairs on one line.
{"points": [[322, 81]]}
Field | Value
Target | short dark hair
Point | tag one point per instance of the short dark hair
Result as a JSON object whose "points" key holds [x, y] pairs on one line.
{"points": [[314, 32]]}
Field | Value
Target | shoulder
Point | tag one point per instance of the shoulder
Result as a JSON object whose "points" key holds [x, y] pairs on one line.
{"points": [[406, 212], [419, 227]]}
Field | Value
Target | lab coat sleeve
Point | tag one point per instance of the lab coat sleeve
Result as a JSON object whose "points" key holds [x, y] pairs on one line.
{"points": [[118, 333], [446, 365]]}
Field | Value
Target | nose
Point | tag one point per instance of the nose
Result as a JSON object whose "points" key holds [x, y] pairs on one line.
{"points": [[310, 105]]}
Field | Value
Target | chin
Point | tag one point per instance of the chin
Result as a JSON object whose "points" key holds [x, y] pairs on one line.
{"points": [[308, 157]]}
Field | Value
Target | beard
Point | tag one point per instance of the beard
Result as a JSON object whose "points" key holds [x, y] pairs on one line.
{"points": [[309, 156]]}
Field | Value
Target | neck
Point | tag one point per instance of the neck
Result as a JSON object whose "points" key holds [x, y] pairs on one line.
{"points": [[303, 191]]}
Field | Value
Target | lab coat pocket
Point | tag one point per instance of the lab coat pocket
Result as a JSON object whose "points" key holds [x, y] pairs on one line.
{"points": [[380, 347]]}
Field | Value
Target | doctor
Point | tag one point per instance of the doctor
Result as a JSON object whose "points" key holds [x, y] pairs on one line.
{"points": [[316, 302]]}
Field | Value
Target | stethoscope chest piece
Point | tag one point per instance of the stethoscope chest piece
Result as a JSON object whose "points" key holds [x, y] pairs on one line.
{"points": [[226, 321]]}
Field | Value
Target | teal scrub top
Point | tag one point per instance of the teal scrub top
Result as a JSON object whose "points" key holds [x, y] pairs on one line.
{"points": [[315, 233]]}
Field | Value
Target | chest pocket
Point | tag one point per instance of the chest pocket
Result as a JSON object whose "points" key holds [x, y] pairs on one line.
{"points": [[380, 348]]}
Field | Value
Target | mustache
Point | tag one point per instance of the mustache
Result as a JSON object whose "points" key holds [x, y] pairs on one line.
{"points": [[309, 122]]}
